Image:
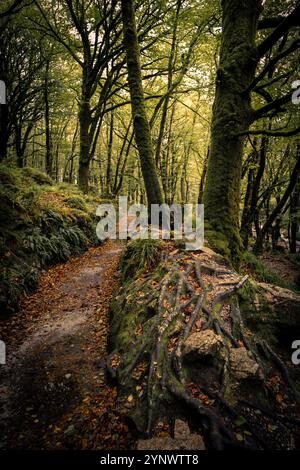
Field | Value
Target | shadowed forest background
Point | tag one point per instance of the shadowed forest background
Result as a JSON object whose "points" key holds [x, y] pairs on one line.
{"points": [[163, 101]]}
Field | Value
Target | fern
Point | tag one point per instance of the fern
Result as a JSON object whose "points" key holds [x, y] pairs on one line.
{"points": [[51, 218], [60, 248], [140, 254], [74, 236], [34, 232]]}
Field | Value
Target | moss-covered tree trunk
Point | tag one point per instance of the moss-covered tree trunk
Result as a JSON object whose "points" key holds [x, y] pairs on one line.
{"points": [[85, 144], [3, 132], [3, 109], [294, 217], [231, 115], [109, 153], [140, 120], [48, 156]]}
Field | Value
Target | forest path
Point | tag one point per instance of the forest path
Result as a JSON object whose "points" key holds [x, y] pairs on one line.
{"points": [[53, 390]]}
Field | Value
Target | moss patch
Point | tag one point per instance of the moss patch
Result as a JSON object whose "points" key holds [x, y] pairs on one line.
{"points": [[41, 224]]}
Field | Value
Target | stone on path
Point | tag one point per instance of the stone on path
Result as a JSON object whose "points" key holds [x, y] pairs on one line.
{"points": [[183, 440]]}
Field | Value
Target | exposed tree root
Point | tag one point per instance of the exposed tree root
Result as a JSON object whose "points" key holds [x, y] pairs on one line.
{"points": [[180, 299], [161, 360], [283, 370]]}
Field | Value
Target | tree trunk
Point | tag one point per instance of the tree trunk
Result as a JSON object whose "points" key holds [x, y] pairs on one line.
{"points": [[18, 146], [70, 160], [166, 160], [231, 114], [140, 120], [83, 176], [3, 132], [170, 81], [84, 154], [3, 121], [120, 156], [276, 233], [203, 176], [294, 217], [251, 211], [48, 159], [109, 153], [119, 185], [246, 226], [280, 206]]}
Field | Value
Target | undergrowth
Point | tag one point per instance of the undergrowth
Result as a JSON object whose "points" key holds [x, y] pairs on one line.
{"points": [[40, 224], [140, 255], [262, 273]]}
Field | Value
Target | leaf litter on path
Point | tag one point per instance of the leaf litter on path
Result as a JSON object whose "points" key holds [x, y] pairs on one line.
{"points": [[54, 393]]}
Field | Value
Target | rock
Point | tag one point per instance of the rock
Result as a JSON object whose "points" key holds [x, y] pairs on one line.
{"points": [[270, 311], [244, 377], [193, 442], [203, 344], [183, 440], [68, 376], [241, 364], [181, 429], [158, 443]]}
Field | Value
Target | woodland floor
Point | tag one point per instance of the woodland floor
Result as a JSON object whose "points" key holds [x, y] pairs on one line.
{"points": [[288, 270], [54, 392]]}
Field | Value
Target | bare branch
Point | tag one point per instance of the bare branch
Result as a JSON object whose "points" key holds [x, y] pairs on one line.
{"points": [[282, 28], [271, 133]]}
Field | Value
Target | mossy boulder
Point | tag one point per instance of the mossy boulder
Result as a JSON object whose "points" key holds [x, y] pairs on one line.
{"points": [[271, 311], [165, 354], [204, 346]]}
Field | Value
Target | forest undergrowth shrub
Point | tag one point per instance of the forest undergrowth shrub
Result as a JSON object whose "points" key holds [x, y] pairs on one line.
{"points": [[37, 176], [262, 273], [38, 228], [140, 255], [76, 202]]}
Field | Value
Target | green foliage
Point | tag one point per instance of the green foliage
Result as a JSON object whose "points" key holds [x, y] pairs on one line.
{"points": [[35, 242], [74, 236], [140, 254], [60, 248], [262, 273], [76, 202], [37, 176], [39, 227], [14, 281], [50, 218], [294, 258]]}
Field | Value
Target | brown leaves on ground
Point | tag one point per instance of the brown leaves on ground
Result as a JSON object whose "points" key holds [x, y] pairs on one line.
{"points": [[94, 424], [60, 332]]}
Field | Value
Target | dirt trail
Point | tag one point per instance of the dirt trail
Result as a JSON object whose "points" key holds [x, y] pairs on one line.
{"points": [[53, 390]]}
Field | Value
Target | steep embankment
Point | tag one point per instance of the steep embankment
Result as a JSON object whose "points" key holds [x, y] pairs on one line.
{"points": [[41, 224], [192, 339]]}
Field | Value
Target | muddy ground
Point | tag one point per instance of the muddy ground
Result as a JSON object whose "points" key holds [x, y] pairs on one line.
{"points": [[53, 391]]}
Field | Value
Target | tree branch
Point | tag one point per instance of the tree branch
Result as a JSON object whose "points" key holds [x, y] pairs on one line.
{"points": [[271, 22], [15, 7], [292, 47], [270, 132], [282, 28], [276, 104]]}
